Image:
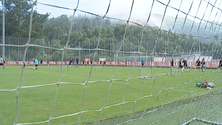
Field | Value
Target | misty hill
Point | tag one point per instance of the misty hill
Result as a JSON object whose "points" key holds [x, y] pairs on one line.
{"points": [[189, 26]]}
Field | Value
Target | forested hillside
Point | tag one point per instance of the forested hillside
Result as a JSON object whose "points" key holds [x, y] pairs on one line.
{"points": [[54, 33]]}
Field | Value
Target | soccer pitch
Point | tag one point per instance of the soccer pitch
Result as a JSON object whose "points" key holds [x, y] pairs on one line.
{"points": [[120, 90]]}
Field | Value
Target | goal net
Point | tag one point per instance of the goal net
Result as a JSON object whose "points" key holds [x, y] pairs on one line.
{"points": [[111, 62]]}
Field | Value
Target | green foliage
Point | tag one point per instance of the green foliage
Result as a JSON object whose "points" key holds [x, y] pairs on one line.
{"points": [[18, 19], [90, 32]]}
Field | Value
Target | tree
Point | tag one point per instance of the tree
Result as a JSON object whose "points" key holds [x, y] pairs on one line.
{"points": [[56, 27], [18, 19]]}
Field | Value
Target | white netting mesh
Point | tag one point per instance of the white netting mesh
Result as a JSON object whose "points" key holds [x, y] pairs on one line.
{"points": [[117, 90]]}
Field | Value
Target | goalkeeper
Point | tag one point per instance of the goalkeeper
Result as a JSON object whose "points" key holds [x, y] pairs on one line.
{"points": [[142, 63], [36, 63]]}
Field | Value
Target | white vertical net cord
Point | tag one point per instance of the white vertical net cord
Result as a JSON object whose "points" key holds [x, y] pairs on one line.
{"points": [[97, 47], [24, 58], [61, 66], [117, 55]]}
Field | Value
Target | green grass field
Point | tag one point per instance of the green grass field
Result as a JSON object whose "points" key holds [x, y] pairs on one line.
{"points": [[35, 104]]}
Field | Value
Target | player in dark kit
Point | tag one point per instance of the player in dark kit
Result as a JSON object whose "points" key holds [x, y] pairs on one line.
{"points": [[197, 64], [77, 62], [220, 64], [203, 66], [180, 64], [184, 64], [70, 62], [171, 63], [104, 62]]}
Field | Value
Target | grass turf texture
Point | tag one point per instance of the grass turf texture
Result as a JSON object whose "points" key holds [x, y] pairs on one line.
{"points": [[36, 104]]}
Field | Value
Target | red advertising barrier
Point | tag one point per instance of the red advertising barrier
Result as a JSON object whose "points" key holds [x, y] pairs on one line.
{"points": [[163, 64], [11, 62], [87, 61], [119, 63], [122, 63]]}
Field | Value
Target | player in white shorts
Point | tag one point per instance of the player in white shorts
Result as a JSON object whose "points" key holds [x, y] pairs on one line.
{"points": [[2, 62]]}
